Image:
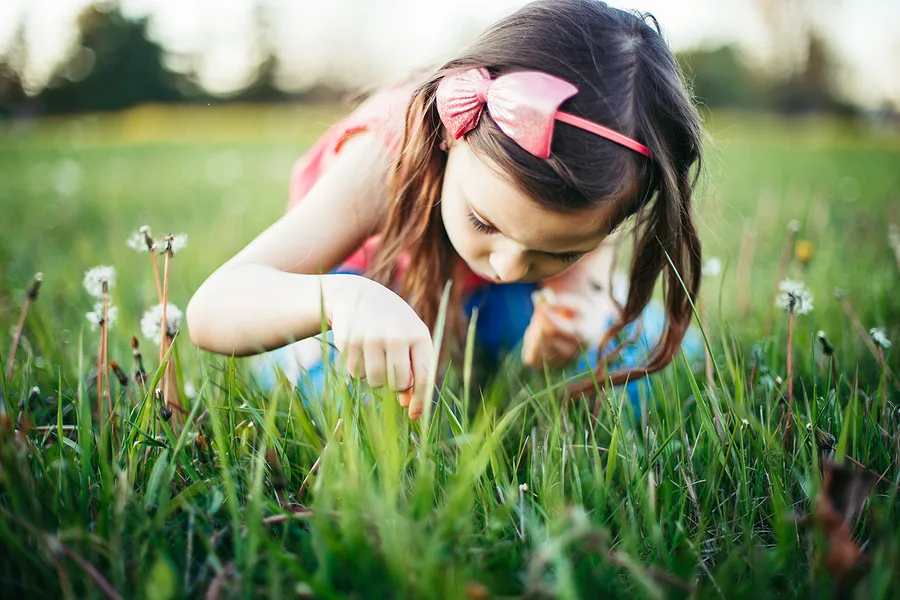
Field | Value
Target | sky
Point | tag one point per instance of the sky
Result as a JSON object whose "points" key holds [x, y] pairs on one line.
{"points": [[366, 41]]}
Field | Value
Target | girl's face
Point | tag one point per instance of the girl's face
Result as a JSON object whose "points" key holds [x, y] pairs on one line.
{"points": [[504, 236]]}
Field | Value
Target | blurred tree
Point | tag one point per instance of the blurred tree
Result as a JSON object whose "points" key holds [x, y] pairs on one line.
{"points": [[116, 66], [811, 88], [12, 90], [720, 77]]}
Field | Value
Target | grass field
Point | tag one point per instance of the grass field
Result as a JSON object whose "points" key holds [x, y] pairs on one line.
{"points": [[500, 494]]}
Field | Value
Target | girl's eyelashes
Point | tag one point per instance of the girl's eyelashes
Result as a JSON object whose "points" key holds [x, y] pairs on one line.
{"points": [[480, 225], [569, 257]]}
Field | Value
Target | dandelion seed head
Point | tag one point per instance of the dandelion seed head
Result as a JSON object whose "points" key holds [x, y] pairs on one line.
{"points": [[95, 317], [794, 226], [151, 322], [95, 278], [136, 242], [794, 297], [880, 337], [173, 243], [712, 267]]}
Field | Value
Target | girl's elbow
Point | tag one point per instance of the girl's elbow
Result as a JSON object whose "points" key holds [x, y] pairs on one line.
{"points": [[196, 315]]}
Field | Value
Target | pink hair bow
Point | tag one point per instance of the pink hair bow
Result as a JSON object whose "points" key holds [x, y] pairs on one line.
{"points": [[524, 105]]}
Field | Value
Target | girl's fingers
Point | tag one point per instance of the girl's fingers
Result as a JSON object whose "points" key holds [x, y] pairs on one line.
{"points": [[354, 360], [421, 353], [376, 367], [399, 367], [559, 322], [561, 352]]}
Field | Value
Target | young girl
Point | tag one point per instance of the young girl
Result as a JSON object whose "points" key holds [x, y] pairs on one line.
{"points": [[503, 171]]}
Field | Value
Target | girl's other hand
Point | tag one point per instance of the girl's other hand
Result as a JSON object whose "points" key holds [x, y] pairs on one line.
{"points": [[383, 340], [551, 336]]}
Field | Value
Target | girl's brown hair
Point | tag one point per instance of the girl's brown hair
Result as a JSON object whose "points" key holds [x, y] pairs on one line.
{"points": [[627, 80]]}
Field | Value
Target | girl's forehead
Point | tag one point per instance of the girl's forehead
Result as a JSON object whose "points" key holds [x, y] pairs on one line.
{"points": [[519, 217]]}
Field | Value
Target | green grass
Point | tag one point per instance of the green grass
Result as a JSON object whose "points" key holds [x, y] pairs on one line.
{"points": [[500, 494]]}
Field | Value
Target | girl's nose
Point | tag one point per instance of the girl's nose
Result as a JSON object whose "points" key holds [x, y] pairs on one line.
{"points": [[509, 265]]}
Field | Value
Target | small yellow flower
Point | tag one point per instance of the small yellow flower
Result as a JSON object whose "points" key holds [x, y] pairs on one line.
{"points": [[803, 251]]}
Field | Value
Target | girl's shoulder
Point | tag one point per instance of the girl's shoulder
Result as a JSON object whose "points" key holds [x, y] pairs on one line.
{"points": [[383, 114]]}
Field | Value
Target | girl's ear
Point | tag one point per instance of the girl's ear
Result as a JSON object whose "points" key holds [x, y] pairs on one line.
{"points": [[447, 140]]}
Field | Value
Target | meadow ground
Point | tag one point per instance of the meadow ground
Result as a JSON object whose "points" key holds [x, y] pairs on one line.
{"points": [[509, 493]]}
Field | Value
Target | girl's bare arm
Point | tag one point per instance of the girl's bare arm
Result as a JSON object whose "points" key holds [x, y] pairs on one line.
{"points": [[271, 293]]}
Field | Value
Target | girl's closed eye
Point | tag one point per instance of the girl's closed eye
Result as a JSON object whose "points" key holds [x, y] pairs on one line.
{"points": [[480, 225], [568, 257]]}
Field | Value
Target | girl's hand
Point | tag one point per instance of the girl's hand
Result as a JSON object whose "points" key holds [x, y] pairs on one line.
{"points": [[563, 324], [383, 340], [551, 336]]}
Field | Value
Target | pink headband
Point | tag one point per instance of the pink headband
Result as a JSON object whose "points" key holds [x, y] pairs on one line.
{"points": [[524, 105]]}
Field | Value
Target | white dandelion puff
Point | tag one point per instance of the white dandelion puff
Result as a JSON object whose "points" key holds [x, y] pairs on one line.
{"points": [[95, 279], [173, 243], [880, 337], [95, 317], [712, 267], [140, 240], [151, 322], [794, 297], [794, 226], [190, 390]]}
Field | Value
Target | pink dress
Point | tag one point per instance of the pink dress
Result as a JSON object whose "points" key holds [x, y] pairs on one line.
{"points": [[384, 114]]}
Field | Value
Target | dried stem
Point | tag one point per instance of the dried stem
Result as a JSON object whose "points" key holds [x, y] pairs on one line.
{"points": [[884, 401], [94, 574], [30, 296], [710, 372], [745, 266], [316, 464], [866, 338]]}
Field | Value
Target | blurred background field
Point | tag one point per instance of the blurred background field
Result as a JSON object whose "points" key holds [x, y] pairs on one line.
{"points": [[75, 187]]}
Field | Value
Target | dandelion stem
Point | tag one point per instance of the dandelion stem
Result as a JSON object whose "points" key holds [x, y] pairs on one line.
{"points": [[99, 378], [162, 345], [790, 376], [159, 290], [105, 334], [783, 264]]}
